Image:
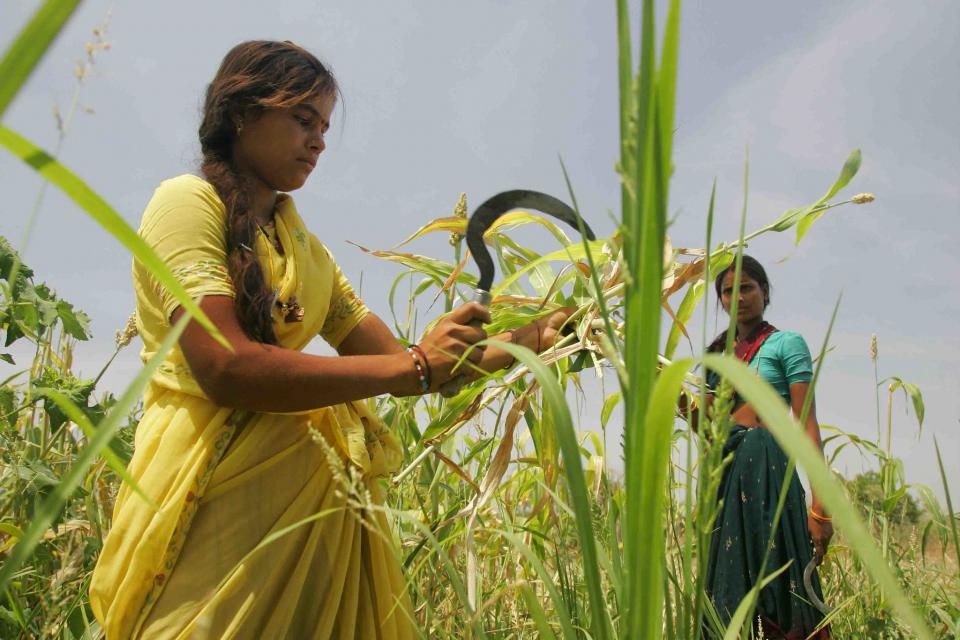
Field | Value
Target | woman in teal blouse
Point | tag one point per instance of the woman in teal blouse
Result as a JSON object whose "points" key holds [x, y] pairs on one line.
{"points": [[751, 483]]}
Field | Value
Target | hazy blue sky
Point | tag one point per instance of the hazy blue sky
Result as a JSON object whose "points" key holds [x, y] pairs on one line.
{"points": [[444, 97]]}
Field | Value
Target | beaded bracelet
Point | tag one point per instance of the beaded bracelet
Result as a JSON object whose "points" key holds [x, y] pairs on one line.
{"points": [[425, 362], [820, 518], [421, 372]]}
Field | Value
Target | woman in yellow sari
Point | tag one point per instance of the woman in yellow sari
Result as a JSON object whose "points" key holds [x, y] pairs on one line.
{"points": [[255, 535]]}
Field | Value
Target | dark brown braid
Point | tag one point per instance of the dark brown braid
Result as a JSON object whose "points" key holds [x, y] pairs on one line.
{"points": [[254, 76]]}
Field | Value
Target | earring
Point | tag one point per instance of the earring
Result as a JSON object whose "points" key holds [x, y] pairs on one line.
{"points": [[239, 126]]}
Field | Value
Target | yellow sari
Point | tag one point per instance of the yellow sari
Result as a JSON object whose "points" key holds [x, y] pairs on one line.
{"points": [[260, 532]]}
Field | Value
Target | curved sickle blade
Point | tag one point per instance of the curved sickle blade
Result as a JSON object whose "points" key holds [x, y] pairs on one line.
{"points": [[808, 585], [488, 212]]}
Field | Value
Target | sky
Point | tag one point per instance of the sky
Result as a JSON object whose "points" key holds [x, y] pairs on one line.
{"points": [[447, 97]]}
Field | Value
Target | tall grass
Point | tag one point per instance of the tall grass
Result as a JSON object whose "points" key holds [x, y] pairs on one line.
{"points": [[511, 523]]}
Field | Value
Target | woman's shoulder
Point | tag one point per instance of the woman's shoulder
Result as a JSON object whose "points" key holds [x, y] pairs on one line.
{"points": [[187, 189], [788, 336], [787, 342], [186, 196]]}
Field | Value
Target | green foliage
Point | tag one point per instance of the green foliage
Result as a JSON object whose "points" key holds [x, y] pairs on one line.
{"points": [[866, 491], [28, 309]]}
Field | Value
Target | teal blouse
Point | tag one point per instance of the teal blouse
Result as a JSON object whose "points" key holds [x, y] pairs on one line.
{"points": [[784, 359]]}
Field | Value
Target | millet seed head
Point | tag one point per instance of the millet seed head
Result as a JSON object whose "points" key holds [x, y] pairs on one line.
{"points": [[129, 331], [459, 211]]}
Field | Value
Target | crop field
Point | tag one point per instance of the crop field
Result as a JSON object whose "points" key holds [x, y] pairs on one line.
{"points": [[512, 515]]}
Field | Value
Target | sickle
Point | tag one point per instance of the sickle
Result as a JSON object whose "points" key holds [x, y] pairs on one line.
{"points": [[488, 213], [808, 586], [483, 217]]}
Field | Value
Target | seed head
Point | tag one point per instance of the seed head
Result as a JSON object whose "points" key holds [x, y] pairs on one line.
{"points": [[873, 347], [862, 198], [129, 332], [459, 211]]}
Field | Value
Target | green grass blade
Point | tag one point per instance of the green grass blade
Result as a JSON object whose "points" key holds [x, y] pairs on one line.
{"points": [[746, 605], [594, 270], [951, 516], [667, 85], [912, 392], [738, 261], [48, 510], [571, 253], [560, 607], [850, 168], [644, 224], [608, 406], [453, 408], [804, 217], [98, 208], [684, 312], [570, 449], [654, 439], [544, 631], [770, 408], [445, 561], [32, 42], [793, 216], [625, 77]]}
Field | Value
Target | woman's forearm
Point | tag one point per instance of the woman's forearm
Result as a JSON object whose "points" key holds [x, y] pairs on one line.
{"points": [[812, 430], [269, 378], [811, 427], [275, 379]]}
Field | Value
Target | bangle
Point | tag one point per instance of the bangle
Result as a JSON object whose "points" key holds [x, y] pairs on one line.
{"points": [[421, 372], [820, 518], [426, 363]]}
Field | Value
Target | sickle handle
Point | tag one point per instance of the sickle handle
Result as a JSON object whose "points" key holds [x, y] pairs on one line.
{"points": [[453, 386]]}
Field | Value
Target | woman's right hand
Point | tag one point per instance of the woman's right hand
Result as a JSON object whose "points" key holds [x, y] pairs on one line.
{"points": [[820, 534], [450, 339]]}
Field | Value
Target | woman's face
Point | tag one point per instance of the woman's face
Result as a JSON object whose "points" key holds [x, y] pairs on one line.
{"points": [[280, 147], [750, 304]]}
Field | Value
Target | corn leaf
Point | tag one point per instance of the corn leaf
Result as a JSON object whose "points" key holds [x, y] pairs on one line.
{"points": [[687, 306], [804, 217], [571, 253], [912, 392]]}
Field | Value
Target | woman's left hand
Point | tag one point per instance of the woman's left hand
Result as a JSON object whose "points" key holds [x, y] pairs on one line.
{"points": [[820, 534], [549, 326]]}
